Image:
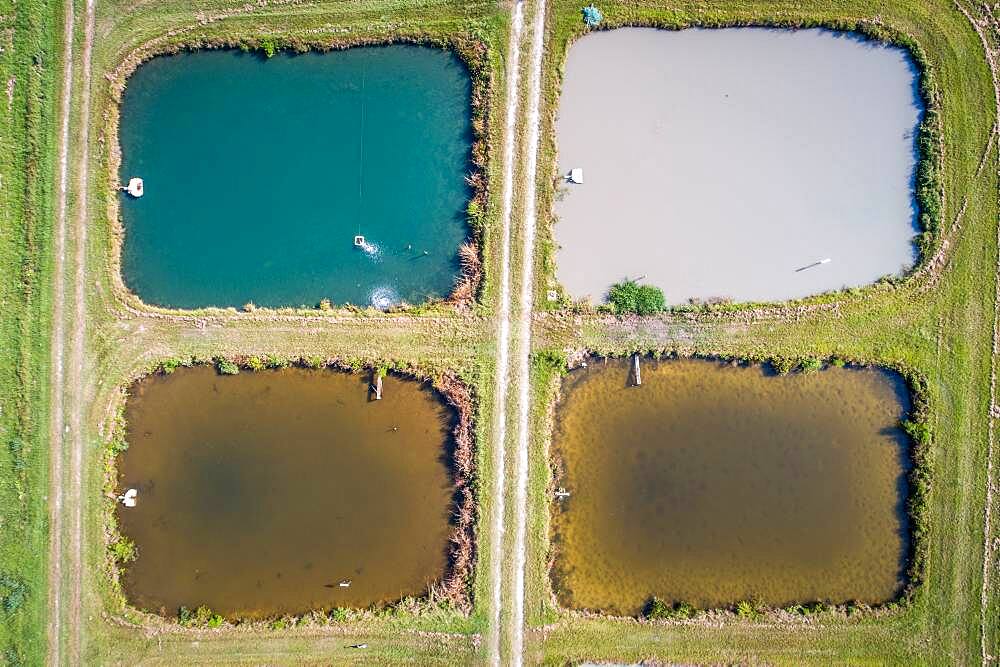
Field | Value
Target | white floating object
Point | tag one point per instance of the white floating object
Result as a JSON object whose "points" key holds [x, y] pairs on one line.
{"points": [[575, 175], [135, 187], [359, 241], [346, 583], [129, 497], [825, 261]]}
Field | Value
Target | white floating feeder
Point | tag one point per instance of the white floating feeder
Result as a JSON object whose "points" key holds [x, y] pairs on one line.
{"points": [[359, 241], [129, 498], [575, 176], [134, 187]]}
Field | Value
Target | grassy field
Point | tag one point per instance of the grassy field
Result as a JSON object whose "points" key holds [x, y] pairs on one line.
{"points": [[939, 322], [29, 61]]}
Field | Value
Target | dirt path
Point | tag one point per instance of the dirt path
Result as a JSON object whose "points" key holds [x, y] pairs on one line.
{"points": [[66, 494], [523, 376], [503, 338], [75, 381], [57, 426]]}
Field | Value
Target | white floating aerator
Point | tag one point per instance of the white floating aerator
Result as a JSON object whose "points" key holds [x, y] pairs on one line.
{"points": [[128, 499], [134, 187]]}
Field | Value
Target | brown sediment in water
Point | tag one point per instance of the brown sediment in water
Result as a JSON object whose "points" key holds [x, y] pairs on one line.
{"points": [[712, 484], [260, 493]]}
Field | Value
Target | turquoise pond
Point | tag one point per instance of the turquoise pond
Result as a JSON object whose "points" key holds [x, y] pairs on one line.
{"points": [[259, 173]]}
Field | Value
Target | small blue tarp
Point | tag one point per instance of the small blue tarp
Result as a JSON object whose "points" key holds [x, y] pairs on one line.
{"points": [[592, 16]]}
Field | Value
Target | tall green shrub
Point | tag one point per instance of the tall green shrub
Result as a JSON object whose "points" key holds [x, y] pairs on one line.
{"points": [[630, 297]]}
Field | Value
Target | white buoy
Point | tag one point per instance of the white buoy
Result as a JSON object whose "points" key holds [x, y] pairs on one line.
{"points": [[135, 187], [359, 241], [575, 176], [128, 499]]}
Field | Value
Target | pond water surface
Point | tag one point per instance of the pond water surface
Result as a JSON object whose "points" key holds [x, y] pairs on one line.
{"points": [[259, 493], [718, 162], [260, 172], [712, 484]]}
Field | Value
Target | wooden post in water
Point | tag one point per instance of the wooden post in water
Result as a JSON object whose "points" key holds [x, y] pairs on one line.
{"points": [[635, 370]]}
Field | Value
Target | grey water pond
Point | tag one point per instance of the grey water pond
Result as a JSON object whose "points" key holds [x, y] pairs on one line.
{"points": [[260, 172], [717, 162], [260, 493], [712, 484]]}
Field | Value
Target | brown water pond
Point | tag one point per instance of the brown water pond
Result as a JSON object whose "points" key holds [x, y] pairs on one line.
{"points": [[712, 484], [259, 493]]}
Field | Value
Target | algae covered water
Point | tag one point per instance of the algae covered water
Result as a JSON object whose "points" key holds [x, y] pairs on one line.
{"points": [[260, 493], [712, 484], [260, 172]]}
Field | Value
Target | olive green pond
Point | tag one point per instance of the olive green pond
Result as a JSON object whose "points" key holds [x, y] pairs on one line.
{"points": [[261, 493], [711, 484]]}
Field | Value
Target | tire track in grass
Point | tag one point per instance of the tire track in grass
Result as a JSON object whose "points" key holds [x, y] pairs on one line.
{"points": [[76, 380], [985, 656], [503, 337], [57, 423], [523, 377]]}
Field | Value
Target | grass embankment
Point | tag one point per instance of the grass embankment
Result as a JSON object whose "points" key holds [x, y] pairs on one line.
{"points": [[938, 322], [29, 64], [125, 338]]}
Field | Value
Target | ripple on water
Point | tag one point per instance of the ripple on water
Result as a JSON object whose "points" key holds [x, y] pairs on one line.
{"points": [[383, 297]]}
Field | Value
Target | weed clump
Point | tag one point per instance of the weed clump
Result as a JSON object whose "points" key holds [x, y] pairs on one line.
{"points": [[749, 609], [268, 46], [16, 448], [811, 365], [202, 617], [553, 359], [657, 610], [13, 593], [226, 367], [124, 550], [256, 363], [170, 365], [312, 362], [271, 361], [629, 297]]}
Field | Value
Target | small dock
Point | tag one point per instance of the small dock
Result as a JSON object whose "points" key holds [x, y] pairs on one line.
{"points": [[636, 371], [375, 388]]}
